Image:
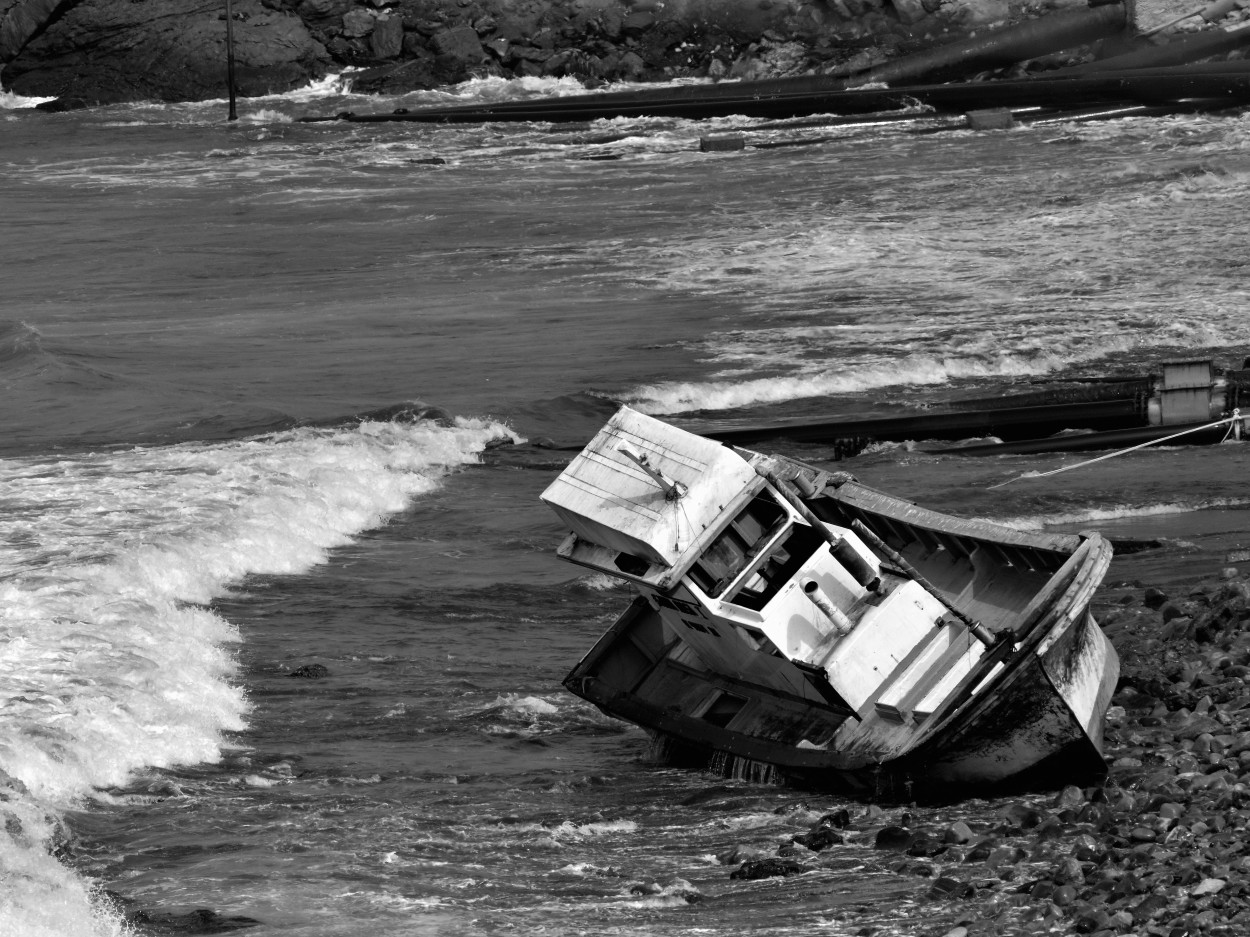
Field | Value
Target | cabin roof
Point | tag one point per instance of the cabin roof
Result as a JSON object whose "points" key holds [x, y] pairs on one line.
{"points": [[606, 497]]}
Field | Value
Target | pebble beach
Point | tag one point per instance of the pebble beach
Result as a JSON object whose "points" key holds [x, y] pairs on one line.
{"points": [[1158, 849]]}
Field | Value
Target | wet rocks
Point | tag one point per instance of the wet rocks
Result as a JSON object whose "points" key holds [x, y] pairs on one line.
{"points": [[310, 672], [820, 838], [754, 869], [894, 839], [1158, 849], [198, 921], [99, 51]]}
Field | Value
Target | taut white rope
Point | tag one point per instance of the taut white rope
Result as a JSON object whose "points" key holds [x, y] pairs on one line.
{"points": [[1234, 424]]}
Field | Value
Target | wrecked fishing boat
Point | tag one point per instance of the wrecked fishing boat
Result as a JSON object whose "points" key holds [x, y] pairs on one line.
{"points": [[795, 624]]}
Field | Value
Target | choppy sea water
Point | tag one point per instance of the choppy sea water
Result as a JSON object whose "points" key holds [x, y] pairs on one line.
{"points": [[216, 344]]}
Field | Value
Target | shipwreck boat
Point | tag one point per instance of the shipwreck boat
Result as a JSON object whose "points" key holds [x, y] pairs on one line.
{"points": [[796, 624]]}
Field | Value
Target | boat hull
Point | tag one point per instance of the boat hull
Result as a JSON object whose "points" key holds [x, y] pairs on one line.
{"points": [[1041, 727]]}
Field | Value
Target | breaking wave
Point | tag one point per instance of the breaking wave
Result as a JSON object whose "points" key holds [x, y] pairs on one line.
{"points": [[109, 660]]}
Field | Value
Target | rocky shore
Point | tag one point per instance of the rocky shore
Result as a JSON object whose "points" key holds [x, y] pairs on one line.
{"points": [[1159, 849], [102, 51]]}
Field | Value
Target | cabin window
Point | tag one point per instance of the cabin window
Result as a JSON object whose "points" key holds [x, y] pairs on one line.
{"points": [[776, 569], [630, 564], [739, 543], [700, 626], [723, 709], [677, 605]]}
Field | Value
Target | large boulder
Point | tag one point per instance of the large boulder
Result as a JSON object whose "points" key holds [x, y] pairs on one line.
{"points": [[460, 53], [102, 51], [19, 20]]}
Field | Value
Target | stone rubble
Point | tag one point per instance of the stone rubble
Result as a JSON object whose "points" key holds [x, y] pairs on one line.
{"points": [[1159, 849], [102, 51]]}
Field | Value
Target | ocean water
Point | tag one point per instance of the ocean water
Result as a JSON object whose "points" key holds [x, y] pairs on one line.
{"points": [[283, 394]]}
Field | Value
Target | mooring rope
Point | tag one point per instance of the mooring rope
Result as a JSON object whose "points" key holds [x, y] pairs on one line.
{"points": [[1234, 429]]}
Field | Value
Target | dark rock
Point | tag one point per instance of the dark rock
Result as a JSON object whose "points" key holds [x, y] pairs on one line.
{"points": [[115, 50], [1154, 598], [637, 23], [981, 851], [1064, 895], [925, 845], [1091, 920], [1149, 907], [460, 42], [841, 819], [199, 921], [573, 63], [767, 868], [358, 23], [310, 672], [387, 39], [101, 51], [323, 14], [893, 838], [1050, 830], [1068, 872], [820, 838], [740, 854], [19, 21], [1005, 855], [1024, 816], [958, 832], [1070, 796], [1168, 611], [947, 887], [459, 52]]}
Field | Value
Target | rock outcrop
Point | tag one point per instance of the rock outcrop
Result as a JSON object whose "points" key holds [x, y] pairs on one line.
{"points": [[98, 51], [126, 50]]}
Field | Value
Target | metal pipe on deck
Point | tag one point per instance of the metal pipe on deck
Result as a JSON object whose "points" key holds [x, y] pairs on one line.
{"points": [[841, 623], [843, 552]]}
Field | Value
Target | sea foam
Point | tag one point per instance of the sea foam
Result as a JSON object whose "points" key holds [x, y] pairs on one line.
{"points": [[109, 663]]}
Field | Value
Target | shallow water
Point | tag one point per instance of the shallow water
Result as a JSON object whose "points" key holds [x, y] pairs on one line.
{"points": [[206, 328]]}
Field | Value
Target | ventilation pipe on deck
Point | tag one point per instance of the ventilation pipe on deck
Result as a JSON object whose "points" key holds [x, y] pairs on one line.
{"points": [[841, 623], [842, 551]]}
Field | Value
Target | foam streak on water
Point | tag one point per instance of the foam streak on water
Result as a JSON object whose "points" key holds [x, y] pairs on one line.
{"points": [[860, 272], [109, 661]]}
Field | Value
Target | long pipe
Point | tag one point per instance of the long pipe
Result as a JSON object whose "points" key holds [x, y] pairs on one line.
{"points": [[1177, 52], [1002, 47], [842, 551]]}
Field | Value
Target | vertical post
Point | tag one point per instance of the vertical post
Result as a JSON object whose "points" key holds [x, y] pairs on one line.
{"points": [[233, 115]]}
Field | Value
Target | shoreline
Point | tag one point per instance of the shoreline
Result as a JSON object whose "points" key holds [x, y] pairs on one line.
{"points": [[1155, 850], [95, 52]]}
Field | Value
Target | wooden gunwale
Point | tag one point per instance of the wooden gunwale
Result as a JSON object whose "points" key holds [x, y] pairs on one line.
{"points": [[869, 504]]}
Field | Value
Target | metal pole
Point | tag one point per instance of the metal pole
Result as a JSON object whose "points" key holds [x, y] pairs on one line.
{"points": [[233, 115]]}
